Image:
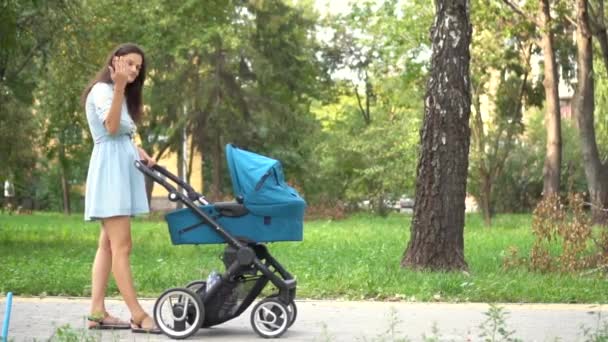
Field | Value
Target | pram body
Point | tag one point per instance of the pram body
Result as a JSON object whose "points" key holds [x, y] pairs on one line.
{"points": [[266, 210]]}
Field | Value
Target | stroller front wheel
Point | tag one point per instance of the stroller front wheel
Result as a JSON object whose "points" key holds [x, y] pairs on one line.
{"points": [[292, 310], [179, 313], [270, 318]]}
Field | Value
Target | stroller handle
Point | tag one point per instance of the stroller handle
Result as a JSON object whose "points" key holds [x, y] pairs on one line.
{"points": [[150, 172], [174, 195]]}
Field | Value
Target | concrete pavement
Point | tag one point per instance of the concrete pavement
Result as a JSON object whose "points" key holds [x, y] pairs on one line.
{"points": [[42, 319]]}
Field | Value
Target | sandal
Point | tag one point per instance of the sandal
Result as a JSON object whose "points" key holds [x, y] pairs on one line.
{"points": [[137, 325], [106, 321]]}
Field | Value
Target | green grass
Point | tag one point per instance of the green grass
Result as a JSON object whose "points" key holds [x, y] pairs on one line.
{"points": [[355, 258]]}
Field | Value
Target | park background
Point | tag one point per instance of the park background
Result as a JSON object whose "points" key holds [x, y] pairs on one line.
{"points": [[338, 97]]}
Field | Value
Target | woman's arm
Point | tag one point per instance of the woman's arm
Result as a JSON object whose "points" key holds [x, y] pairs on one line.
{"points": [[145, 157], [119, 76]]}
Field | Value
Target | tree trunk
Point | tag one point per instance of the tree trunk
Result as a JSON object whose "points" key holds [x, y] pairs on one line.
{"points": [[65, 186], [437, 229], [180, 168], [203, 189], [595, 171], [553, 158], [486, 199], [216, 156]]}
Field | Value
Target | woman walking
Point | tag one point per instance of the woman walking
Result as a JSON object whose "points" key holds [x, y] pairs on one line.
{"points": [[115, 189]]}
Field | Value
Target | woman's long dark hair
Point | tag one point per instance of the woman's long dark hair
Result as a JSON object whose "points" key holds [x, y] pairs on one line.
{"points": [[133, 90]]}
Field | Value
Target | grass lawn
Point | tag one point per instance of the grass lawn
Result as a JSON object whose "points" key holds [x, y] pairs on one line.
{"points": [[355, 258]]}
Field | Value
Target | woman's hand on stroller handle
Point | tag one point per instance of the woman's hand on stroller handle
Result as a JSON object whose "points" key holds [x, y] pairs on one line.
{"points": [[153, 172]]}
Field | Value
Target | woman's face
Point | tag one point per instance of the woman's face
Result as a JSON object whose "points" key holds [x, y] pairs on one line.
{"points": [[133, 63]]}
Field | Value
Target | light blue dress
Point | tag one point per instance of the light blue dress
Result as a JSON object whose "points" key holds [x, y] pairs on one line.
{"points": [[114, 186]]}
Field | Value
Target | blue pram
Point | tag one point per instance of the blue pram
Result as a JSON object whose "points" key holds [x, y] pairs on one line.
{"points": [[266, 209]]}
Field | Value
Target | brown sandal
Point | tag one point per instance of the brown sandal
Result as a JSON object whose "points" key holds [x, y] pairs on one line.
{"points": [[106, 321], [136, 325]]}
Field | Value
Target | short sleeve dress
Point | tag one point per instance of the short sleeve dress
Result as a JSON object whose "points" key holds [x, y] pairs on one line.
{"points": [[114, 187]]}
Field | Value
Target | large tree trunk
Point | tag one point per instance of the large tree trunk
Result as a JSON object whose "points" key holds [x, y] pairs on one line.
{"points": [[553, 158], [438, 224], [596, 172]]}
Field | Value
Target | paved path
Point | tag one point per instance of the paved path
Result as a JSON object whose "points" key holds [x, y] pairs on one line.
{"points": [[34, 319]]}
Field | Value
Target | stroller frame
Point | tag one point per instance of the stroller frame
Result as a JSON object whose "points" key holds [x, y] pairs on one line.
{"points": [[249, 261]]}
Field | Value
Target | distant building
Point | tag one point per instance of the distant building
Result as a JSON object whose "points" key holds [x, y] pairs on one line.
{"points": [[159, 200]]}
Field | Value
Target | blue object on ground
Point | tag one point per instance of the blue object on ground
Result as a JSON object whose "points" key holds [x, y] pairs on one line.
{"points": [[7, 316]]}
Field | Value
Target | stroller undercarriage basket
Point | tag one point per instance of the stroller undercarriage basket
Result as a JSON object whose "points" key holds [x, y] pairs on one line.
{"points": [[266, 210]]}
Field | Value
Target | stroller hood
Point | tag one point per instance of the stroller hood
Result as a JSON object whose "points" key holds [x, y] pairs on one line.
{"points": [[261, 183]]}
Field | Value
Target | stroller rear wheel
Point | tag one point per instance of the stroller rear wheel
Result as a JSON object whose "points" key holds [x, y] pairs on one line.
{"points": [[198, 286], [179, 313], [270, 318]]}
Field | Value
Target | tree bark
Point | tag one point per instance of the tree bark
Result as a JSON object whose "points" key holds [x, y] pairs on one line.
{"points": [[486, 199], [595, 171], [553, 158], [216, 182], [180, 167], [65, 185], [437, 229]]}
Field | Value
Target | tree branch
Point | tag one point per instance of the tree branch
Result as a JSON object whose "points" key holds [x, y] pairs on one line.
{"points": [[520, 12], [359, 102]]}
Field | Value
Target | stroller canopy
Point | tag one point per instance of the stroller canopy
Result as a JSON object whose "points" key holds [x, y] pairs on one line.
{"points": [[261, 183]]}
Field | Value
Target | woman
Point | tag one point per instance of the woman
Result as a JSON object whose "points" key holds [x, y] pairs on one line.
{"points": [[115, 189]]}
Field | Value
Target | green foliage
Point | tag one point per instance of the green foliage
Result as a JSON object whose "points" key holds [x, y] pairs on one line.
{"points": [[242, 72], [25, 31], [67, 333], [65, 142], [338, 99], [520, 186], [18, 141], [368, 148], [494, 328], [51, 254], [501, 87]]}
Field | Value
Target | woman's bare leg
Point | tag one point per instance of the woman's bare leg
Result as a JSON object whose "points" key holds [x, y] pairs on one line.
{"points": [[102, 266], [118, 230]]}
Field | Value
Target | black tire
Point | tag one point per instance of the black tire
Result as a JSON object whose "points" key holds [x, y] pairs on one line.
{"points": [[292, 309], [170, 317], [270, 318], [196, 285], [199, 287]]}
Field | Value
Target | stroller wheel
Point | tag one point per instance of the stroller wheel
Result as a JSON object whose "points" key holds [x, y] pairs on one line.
{"points": [[293, 313], [270, 318], [197, 286], [179, 313], [292, 310], [200, 288]]}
